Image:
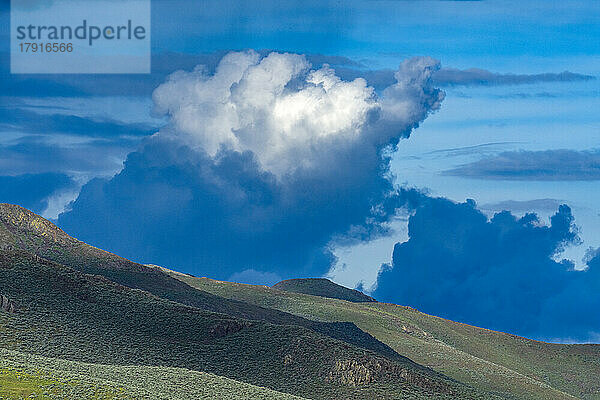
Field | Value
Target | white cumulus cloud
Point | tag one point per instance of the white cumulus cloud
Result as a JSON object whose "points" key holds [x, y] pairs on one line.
{"points": [[266, 165], [290, 115]]}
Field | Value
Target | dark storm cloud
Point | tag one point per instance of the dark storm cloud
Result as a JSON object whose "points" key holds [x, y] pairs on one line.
{"points": [[497, 273], [177, 207]]}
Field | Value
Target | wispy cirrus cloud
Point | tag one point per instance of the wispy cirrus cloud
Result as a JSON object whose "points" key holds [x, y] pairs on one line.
{"points": [[33, 123], [35, 154], [447, 77], [548, 165], [520, 206], [482, 77]]}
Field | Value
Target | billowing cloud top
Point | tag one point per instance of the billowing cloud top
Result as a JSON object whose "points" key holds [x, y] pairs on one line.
{"points": [[261, 165], [288, 114]]}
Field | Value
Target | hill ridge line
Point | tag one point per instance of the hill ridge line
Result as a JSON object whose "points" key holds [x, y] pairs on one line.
{"points": [[469, 355]]}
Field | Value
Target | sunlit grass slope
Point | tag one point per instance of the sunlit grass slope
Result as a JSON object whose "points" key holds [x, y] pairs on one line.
{"points": [[507, 365], [64, 313], [24, 375]]}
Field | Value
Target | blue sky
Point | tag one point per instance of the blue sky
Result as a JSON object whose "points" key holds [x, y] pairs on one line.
{"points": [[498, 141]]}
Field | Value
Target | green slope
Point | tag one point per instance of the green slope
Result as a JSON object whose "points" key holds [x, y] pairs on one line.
{"points": [[289, 342], [507, 365], [322, 287], [62, 313], [24, 375], [21, 229]]}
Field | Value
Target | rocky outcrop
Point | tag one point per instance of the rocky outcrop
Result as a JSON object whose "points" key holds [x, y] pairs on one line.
{"points": [[366, 371], [353, 373], [7, 305]]}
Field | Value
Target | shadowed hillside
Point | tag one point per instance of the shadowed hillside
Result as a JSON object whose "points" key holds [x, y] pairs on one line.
{"points": [[24, 230], [324, 288], [64, 313]]}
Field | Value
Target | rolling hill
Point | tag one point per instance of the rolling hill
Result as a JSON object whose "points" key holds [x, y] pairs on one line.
{"points": [[74, 306], [324, 288], [508, 366], [76, 321], [21, 229]]}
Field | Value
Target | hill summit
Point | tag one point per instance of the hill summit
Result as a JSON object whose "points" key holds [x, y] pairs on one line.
{"points": [[324, 288], [16, 221]]}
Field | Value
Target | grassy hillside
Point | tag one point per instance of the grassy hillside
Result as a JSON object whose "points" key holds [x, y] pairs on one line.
{"points": [[322, 287], [62, 313], [24, 375], [21, 229], [78, 303], [508, 365]]}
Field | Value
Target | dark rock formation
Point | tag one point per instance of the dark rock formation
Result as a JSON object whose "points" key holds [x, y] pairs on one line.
{"points": [[7, 305]]}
